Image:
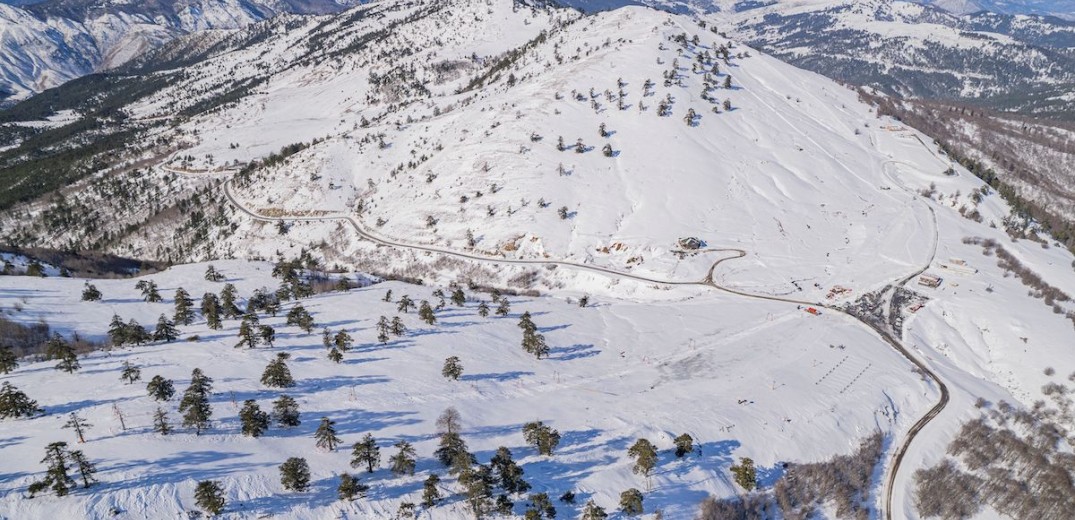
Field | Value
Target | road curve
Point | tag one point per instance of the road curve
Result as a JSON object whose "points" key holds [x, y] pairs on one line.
{"points": [[707, 281]]}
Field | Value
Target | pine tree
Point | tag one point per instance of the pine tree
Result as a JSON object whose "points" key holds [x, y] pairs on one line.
{"points": [[195, 403], [299, 317], [211, 311], [403, 462], [452, 449], [160, 389], [15, 404], [439, 294], [504, 308], [295, 474], [405, 304], [86, 469], [727, 105], [504, 506], [130, 373], [326, 435], [745, 474], [387, 296], [165, 330], [366, 452], [117, 331], [277, 374], [607, 150], [728, 81], [458, 297], [430, 492], [541, 506], [209, 497], [350, 488], [631, 502], [249, 336], [507, 472], [160, 422], [254, 421], [483, 309], [382, 330], [228, 297], [90, 293], [645, 455], [343, 341], [526, 323], [334, 355], [684, 445], [544, 438], [398, 328], [286, 411], [534, 343], [267, 334], [56, 477], [452, 368], [58, 348], [212, 275], [584, 301], [184, 307], [149, 290], [138, 334], [477, 485], [8, 360]]}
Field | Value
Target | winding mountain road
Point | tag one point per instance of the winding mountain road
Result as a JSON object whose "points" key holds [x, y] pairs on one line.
{"points": [[708, 281]]}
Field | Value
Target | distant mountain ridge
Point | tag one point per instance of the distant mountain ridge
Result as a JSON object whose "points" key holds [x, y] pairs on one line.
{"points": [[48, 43]]}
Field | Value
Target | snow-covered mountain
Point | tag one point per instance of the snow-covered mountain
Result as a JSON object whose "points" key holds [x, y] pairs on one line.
{"points": [[46, 44], [458, 144]]}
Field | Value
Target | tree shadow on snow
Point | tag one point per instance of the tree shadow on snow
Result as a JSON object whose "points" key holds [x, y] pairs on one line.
{"points": [[576, 351], [503, 376]]}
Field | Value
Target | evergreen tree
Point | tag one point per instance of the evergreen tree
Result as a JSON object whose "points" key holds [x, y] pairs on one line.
{"points": [[403, 462], [477, 485], [526, 323], [458, 298], [160, 422], [130, 373], [483, 309], [544, 438], [398, 328], [645, 455], [439, 294], [534, 343], [405, 304], [184, 307], [254, 421], [452, 449], [507, 472], [14, 403], [149, 290], [90, 293], [387, 296], [745, 474], [584, 301], [249, 335], [195, 403], [211, 311], [343, 341], [267, 334], [728, 81], [326, 435], [56, 477], [286, 411], [430, 492], [209, 497], [277, 374], [295, 474], [568, 497], [334, 355], [607, 150], [58, 348], [86, 469], [350, 488], [212, 275], [452, 368], [541, 506], [8, 360], [365, 452], [504, 505], [228, 298], [503, 308], [160, 389], [382, 330], [631, 502], [137, 334], [165, 330], [299, 317], [684, 445], [117, 331]]}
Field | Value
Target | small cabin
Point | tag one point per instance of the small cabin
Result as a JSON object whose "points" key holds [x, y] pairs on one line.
{"points": [[929, 280]]}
